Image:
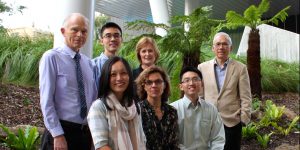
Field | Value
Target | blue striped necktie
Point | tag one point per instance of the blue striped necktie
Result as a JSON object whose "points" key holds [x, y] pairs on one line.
{"points": [[83, 109]]}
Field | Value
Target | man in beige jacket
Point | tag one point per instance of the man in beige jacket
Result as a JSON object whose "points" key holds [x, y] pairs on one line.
{"points": [[226, 85]]}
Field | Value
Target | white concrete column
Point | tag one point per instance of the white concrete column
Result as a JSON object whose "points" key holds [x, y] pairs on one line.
{"points": [[66, 7], [160, 14], [189, 7]]}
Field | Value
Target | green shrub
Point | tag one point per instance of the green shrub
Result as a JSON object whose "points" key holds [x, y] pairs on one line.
{"points": [[278, 76], [249, 131], [264, 139], [285, 131], [19, 57], [24, 140], [272, 112], [256, 104]]}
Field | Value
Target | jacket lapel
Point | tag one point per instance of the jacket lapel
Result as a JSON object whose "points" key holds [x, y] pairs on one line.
{"points": [[212, 74]]}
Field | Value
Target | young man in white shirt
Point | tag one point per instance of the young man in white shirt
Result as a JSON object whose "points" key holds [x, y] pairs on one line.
{"points": [[200, 125]]}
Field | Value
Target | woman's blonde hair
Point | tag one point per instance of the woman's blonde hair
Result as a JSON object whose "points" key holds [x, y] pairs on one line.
{"points": [[144, 41]]}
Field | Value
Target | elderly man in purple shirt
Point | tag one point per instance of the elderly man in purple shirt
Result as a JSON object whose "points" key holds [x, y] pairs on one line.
{"points": [[65, 94]]}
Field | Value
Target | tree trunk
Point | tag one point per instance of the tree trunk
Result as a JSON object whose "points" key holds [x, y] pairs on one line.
{"points": [[253, 63], [191, 59]]}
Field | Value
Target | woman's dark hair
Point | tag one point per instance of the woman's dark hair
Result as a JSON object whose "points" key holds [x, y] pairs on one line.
{"points": [[104, 84], [140, 81]]}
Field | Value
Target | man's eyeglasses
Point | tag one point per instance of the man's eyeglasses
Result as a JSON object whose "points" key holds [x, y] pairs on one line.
{"points": [[221, 44], [110, 36], [188, 80], [156, 82]]}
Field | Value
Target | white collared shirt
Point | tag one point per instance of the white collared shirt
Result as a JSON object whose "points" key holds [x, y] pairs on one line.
{"points": [[200, 126]]}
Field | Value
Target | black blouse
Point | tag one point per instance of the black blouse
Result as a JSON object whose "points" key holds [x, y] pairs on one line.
{"points": [[136, 72], [160, 134]]}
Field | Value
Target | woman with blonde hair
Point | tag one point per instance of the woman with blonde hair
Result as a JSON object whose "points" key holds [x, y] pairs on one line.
{"points": [[147, 53]]}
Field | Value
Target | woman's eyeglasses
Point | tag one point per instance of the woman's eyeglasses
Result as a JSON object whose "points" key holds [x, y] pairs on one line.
{"points": [[156, 82]]}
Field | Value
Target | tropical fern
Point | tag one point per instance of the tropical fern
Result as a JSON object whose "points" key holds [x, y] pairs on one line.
{"points": [[281, 15], [253, 16], [24, 139], [144, 25]]}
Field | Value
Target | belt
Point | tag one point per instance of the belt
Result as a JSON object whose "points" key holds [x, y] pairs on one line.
{"points": [[75, 126]]}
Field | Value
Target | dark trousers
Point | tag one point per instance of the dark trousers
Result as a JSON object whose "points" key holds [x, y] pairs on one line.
{"points": [[78, 137], [233, 136]]}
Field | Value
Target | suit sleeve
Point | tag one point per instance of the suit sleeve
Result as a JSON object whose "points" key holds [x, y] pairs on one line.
{"points": [[245, 95]]}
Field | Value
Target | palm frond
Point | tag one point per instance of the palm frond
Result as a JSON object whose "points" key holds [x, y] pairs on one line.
{"points": [[175, 40], [281, 15], [252, 13], [201, 12], [235, 20], [168, 61], [180, 20], [263, 6], [144, 25]]}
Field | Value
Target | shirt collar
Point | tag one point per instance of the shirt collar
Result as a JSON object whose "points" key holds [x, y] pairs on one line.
{"points": [[225, 64], [67, 50], [188, 103], [102, 55]]}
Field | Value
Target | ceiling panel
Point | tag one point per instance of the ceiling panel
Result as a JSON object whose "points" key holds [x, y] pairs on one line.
{"points": [[131, 10]]}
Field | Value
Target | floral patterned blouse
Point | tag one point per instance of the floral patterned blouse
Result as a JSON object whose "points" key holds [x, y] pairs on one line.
{"points": [[160, 134]]}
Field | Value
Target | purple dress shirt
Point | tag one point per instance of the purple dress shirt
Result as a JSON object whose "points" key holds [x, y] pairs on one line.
{"points": [[59, 95]]}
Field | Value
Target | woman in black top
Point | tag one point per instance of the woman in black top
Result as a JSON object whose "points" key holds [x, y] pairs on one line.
{"points": [[158, 118]]}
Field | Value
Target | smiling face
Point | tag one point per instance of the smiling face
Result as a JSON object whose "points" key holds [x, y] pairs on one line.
{"points": [[154, 86], [119, 79], [111, 41], [190, 84], [147, 55], [221, 47], [75, 32]]}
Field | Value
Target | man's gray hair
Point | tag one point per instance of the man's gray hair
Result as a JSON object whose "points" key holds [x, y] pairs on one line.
{"points": [[226, 36], [66, 20]]}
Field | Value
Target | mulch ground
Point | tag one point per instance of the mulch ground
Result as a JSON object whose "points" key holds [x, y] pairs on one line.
{"points": [[20, 106]]}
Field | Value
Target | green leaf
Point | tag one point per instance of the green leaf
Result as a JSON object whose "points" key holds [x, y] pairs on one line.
{"points": [[263, 7], [291, 125], [235, 20], [264, 140], [252, 14], [11, 137], [281, 15], [24, 140], [32, 137], [249, 131]]}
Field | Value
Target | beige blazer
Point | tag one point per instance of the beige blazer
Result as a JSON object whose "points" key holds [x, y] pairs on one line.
{"points": [[234, 99]]}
